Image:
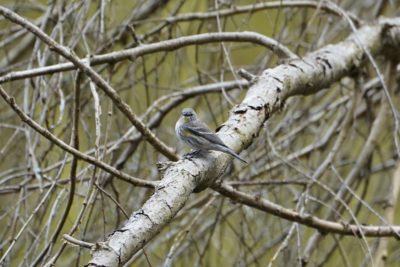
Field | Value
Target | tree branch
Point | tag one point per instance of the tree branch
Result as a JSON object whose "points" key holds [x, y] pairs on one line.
{"points": [[324, 226], [167, 45]]}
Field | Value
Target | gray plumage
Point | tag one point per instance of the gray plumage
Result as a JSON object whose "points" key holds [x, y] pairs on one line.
{"points": [[198, 136]]}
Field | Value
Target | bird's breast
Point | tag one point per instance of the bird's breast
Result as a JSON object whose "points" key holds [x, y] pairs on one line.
{"points": [[180, 131]]}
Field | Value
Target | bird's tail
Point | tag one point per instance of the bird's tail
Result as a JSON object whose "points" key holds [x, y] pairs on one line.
{"points": [[229, 151]]}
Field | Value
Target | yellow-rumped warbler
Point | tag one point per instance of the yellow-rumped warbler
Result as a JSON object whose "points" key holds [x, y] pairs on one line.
{"points": [[198, 136]]}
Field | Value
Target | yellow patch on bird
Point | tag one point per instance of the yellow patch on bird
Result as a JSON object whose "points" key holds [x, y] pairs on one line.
{"points": [[186, 119], [186, 133]]}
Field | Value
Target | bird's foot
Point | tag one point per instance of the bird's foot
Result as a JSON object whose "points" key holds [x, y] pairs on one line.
{"points": [[192, 154]]}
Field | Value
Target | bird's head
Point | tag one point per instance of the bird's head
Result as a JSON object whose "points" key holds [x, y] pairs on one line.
{"points": [[189, 114]]}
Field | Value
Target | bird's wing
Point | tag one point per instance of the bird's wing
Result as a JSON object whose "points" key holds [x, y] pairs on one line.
{"points": [[202, 130]]}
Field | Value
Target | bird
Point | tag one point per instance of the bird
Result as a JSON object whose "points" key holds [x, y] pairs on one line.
{"points": [[195, 133]]}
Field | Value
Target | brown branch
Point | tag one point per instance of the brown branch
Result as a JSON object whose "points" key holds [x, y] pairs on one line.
{"points": [[324, 226]]}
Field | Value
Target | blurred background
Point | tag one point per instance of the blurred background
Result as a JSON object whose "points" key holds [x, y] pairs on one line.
{"points": [[210, 230]]}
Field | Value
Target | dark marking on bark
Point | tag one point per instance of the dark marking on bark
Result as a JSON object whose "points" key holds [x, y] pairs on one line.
{"points": [[191, 155], [159, 188], [258, 108], [296, 67], [169, 207], [326, 62], [119, 255], [277, 79], [94, 265], [323, 69], [141, 212], [240, 110], [118, 231]]}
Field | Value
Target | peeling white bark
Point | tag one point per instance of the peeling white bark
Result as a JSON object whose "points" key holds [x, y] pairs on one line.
{"points": [[314, 72]]}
